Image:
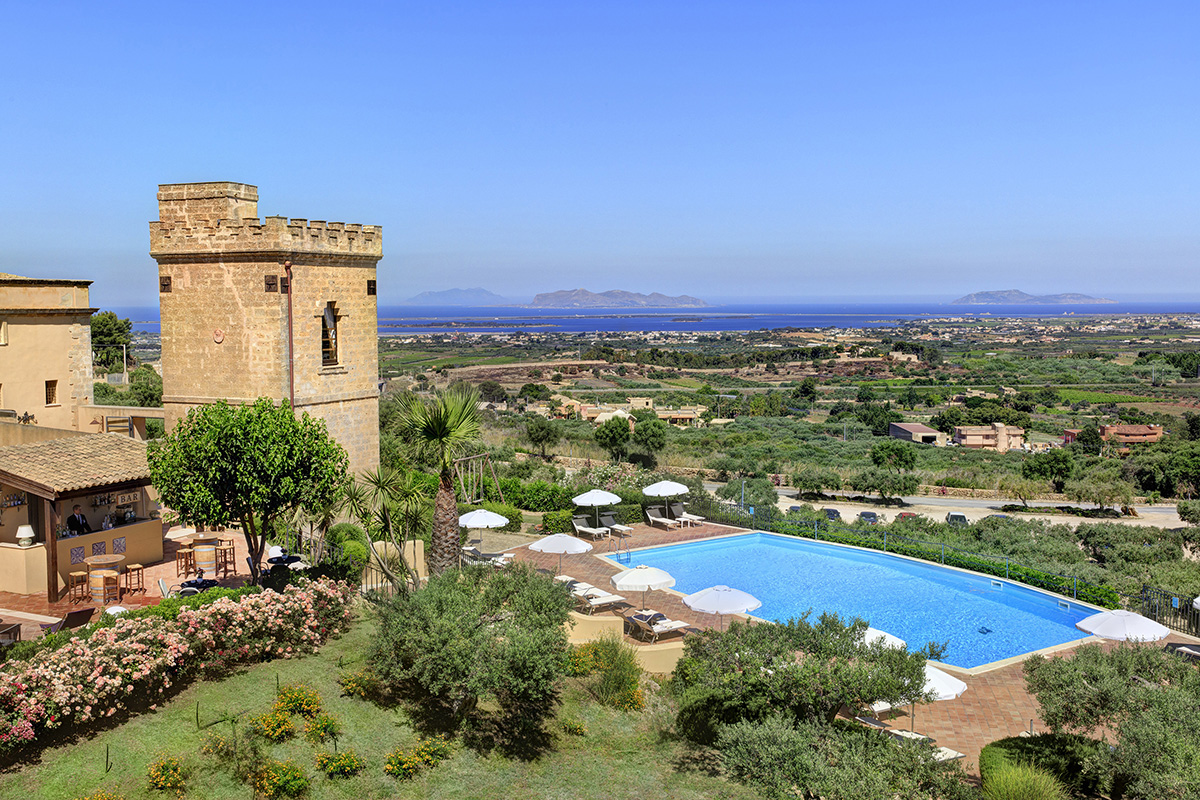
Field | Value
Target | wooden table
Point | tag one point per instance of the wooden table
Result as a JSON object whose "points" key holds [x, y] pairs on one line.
{"points": [[113, 560], [204, 539]]}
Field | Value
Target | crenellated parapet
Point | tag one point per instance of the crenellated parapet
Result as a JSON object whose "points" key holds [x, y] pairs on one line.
{"points": [[280, 234]]}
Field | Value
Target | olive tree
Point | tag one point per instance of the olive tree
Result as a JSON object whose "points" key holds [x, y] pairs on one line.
{"points": [[250, 464]]}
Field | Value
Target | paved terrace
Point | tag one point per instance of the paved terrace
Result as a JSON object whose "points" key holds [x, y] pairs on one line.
{"points": [[994, 706], [33, 609]]}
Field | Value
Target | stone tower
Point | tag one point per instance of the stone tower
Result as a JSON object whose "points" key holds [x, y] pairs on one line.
{"points": [[280, 308]]}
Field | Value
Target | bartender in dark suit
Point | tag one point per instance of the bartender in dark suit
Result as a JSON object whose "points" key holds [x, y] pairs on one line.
{"points": [[77, 522]]}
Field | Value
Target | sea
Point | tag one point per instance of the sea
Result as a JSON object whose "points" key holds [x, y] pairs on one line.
{"points": [[407, 320]]}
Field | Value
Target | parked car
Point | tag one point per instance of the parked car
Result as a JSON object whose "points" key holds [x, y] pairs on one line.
{"points": [[957, 519], [796, 509], [869, 517], [832, 514], [907, 515]]}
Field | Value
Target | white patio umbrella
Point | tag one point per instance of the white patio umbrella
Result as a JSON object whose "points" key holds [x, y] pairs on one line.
{"points": [[1123, 626], [595, 498], [1196, 604], [482, 518], [642, 579], [721, 600], [664, 489], [874, 634], [563, 544]]}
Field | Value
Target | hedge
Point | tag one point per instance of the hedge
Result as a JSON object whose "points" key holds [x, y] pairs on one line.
{"points": [[1059, 754], [557, 522]]}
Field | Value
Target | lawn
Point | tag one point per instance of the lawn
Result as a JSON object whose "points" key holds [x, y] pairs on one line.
{"points": [[622, 755]]}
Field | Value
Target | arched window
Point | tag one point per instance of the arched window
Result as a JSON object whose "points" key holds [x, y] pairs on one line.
{"points": [[329, 335]]}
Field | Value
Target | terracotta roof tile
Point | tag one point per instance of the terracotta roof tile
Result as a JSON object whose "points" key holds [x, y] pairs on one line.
{"points": [[76, 462]]}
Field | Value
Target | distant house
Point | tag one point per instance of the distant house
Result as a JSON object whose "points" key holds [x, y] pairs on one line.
{"points": [[1131, 434], [641, 402], [997, 436], [916, 432], [1071, 434]]}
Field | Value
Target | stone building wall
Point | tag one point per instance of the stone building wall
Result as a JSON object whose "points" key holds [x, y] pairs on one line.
{"points": [[225, 282]]}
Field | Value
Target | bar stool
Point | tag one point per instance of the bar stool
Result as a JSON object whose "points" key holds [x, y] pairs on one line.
{"points": [[77, 585], [226, 558], [185, 561], [135, 578]]}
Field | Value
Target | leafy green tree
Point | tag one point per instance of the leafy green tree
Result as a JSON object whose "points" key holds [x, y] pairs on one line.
{"points": [[754, 493], [1088, 441], [650, 436], [250, 464], [614, 436], [541, 432], [948, 420], [812, 480], [146, 387], [865, 394], [478, 633], [1024, 489], [109, 333], [806, 392], [1056, 466], [894, 455], [1184, 469], [534, 391], [439, 430], [911, 397], [492, 392], [877, 417], [105, 394]]}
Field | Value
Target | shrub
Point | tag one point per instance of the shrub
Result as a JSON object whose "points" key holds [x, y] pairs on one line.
{"points": [[357, 554], [300, 699], [279, 779], [102, 794], [322, 727], [619, 674], [166, 774], [574, 727], [583, 660], [629, 513], [340, 765], [556, 522], [1022, 782], [344, 532], [405, 764], [362, 683], [274, 726], [216, 745]]}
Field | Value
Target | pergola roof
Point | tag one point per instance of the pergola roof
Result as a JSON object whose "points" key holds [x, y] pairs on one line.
{"points": [[75, 465]]}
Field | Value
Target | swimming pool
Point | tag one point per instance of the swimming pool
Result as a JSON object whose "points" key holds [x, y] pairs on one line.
{"points": [[982, 619]]}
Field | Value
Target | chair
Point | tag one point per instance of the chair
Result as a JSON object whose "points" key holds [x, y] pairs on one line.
{"points": [[654, 517], [610, 522], [681, 514], [226, 558], [185, 561], [175, 591], [74, 619], [581, 528], [650, 625], [135, 578], [10, 633], [592, 598], [77, 586], [109, 583]]}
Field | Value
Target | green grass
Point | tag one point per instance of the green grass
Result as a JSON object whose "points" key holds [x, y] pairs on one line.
{"points": [[1080, 395], [623, 755]]}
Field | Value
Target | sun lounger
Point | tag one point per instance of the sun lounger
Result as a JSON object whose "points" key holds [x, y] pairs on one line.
{"points": [[74, 619], [472, 555], [680, 514], [654, 517], [581, 528], [610, 522], [592, 598], [946, 754], [651, 626]]}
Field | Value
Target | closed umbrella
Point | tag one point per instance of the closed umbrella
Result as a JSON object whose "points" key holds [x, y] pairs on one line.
{"points": [[1123, 626], [642, 579], [563, 544], [594, 499], [721, 600]]}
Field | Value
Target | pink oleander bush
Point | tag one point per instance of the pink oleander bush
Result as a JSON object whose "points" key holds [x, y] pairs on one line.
{"points": [[137, 660]]}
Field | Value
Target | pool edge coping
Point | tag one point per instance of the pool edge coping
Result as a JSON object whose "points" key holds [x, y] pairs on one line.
{"points": [[969, 671]]}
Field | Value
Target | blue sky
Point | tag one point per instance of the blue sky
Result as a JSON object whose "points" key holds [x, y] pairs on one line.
{"points": [[726, 150]]}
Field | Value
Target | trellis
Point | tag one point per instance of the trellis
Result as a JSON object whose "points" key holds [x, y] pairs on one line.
{"points": [[472, 477]]}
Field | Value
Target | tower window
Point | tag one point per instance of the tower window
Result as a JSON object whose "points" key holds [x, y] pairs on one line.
{"points": [[370, 288], [329, 335], [51, 393], [164, 284], [270, 283]]}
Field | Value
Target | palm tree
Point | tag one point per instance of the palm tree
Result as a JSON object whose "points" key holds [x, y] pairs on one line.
{"points": [[390, 505], [438, 430]]}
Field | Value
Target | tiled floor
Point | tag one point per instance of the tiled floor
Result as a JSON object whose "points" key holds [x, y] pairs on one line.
{"points": [[32, 610], [994, 706]]}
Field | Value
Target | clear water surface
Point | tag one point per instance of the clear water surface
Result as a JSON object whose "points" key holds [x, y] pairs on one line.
{"points": [[981, 619]]}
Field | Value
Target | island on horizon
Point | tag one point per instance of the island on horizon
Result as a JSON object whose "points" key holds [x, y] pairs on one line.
{"points": [[614, 298], [459, 297], [1015, 297]]}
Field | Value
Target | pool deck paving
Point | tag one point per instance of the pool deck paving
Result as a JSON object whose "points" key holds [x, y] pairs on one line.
{"points": [[995, 705]]}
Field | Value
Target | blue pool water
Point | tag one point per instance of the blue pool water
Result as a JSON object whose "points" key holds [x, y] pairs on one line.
{"points": [[981, 619]]}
